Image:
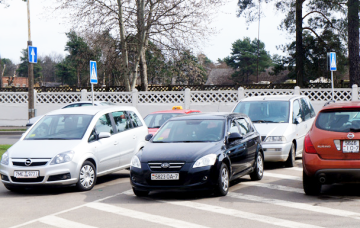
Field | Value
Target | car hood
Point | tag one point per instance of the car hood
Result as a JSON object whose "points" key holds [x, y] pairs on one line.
{"points": [[272, 129], [41, 148], [186, 152]]}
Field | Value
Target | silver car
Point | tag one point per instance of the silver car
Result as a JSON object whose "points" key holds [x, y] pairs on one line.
{"points": [[282, 121], [74, 146]]}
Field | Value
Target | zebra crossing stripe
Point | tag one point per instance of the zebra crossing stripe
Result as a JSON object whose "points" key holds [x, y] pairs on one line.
{"points": [[282, 176], [295, 205], [143, 216], [62, 223]]}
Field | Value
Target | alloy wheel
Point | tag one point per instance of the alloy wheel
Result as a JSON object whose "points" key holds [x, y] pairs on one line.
{"points": [[87, 176]]}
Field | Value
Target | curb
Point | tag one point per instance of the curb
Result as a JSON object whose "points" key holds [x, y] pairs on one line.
{"points": [[11, 132]]}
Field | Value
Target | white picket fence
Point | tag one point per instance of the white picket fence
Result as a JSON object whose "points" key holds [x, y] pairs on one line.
{"points": [[13, 105]]}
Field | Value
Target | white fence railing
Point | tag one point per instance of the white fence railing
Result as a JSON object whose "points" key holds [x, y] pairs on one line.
{"points": [[13, 105]]}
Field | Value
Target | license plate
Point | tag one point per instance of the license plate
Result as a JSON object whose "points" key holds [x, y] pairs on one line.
{"points": [[26, 174], [351, 146], [164, 176]]}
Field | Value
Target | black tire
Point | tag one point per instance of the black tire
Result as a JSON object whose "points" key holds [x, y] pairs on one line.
{"points": [[222, 187], [140, 193], [311, 185], [14, 188], [87, 177], [290, 162], [258, 172]]}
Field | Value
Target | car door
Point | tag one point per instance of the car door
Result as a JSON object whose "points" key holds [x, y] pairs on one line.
{"points": [[105, 148], [250, 139], [299, 126], [236, 150], [125, 136]]}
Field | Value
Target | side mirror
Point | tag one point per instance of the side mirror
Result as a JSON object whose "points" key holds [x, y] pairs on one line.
{"points": [[148, 137], [234, 136], [297, 120], [103, 135]]}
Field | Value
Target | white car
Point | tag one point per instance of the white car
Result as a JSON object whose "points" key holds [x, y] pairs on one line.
{"points": [[282, 121], [71, 105], [74, 146]]}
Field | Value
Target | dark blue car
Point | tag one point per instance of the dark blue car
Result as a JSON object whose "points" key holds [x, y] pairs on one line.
{"points": [[198, 152]]}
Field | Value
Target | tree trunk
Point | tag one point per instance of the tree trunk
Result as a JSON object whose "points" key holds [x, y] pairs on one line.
{"points": [[353, 41], [299, 47], [143, 72], [1, 73], [78, 77]]}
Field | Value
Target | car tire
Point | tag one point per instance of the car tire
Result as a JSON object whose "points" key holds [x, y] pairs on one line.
{"points": [[290, 162], [311, 185], [223, 181], [140, 193], [87, 177], [258, 172]]}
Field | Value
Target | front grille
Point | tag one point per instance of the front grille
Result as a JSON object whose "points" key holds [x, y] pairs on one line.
{"points": [[173, 166], [32, 164], [27, 180]]}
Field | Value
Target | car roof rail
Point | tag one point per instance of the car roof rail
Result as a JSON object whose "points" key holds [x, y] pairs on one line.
{"points": [[329, 102]]}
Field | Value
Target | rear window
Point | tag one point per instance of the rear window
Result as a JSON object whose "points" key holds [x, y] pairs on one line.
{"points": [[341, 121]]}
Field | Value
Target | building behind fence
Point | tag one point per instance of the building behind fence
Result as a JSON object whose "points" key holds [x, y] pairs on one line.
{"points": [[14, 107]]}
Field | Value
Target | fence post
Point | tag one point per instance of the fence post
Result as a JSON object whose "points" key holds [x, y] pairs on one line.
{"points": [[83, 95], [134, 94], [354, 93], [241, 93], [187, 98], [297, 90]]}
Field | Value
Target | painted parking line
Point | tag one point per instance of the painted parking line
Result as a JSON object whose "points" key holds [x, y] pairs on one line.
{"points": [[282, 176], [295, 169], [143, 216], [273, 186], [295, 205], [62, 223]]}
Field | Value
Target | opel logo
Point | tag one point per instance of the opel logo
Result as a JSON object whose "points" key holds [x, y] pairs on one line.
{"points": [[165, 165], [350, 135], [28, 162]]}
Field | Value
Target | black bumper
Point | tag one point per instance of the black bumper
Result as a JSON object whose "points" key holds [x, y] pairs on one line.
{"points": [[329, 176]]}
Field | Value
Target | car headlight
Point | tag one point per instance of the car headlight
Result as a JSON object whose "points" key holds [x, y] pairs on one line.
{"points": [[207, 160], [62, 158], [135, 162], [275, 139], [5, 158]]}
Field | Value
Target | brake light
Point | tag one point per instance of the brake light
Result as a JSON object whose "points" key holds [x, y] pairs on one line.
{"points": [[308, 146]]}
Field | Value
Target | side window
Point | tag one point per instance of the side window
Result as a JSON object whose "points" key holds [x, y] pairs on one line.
{"points": [[72, 106], [121, 122], [85, 104], [244, 126], [306, 109], [135, 120], [233, 127], [104, 124], [296, 110], [251, 126], [311, 108]]}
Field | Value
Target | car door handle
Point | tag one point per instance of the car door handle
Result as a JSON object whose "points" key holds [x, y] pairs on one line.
{"points": [[116, 142]]}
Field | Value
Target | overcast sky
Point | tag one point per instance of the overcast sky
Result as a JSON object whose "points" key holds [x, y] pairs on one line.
{"points": [[48, 35]]}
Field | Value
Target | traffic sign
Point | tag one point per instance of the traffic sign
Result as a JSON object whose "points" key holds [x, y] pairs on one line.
{"points": [[93, 72], [32, 54], [332, 61]]}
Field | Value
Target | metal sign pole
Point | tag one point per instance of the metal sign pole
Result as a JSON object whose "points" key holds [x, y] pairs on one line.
{"points": [[332, 85], [92, 93]]}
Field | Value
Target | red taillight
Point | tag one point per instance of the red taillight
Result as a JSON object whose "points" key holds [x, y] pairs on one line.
{"points": [[308, 146]]}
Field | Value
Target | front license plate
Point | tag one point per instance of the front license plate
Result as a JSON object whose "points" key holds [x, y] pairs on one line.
{"points": [[26, 174], [351, 146], [164, 176]]}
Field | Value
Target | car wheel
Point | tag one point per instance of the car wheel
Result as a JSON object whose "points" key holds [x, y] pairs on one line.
{"points": [[140, 193], [311, 185], [290, 162], [223, 181], [258, 173], [87, 177]]}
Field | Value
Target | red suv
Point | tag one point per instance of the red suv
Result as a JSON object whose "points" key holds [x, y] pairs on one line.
{"points": [[331, 148]]}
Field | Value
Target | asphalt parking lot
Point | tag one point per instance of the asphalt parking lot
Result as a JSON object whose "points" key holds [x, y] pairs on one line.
{"points": [[277, 200]]}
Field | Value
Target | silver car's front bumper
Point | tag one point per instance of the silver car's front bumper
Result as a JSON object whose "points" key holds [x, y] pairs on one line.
{"points": [[275, 152], [45, 172]]}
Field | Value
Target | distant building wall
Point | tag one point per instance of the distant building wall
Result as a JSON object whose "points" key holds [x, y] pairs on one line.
{"points": [[16, 81]]}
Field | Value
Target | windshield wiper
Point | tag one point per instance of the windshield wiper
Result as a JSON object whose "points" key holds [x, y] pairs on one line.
{"points": [[264, 121]]}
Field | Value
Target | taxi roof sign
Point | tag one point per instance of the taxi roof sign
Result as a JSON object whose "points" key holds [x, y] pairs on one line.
{"points": [[177, 107]]}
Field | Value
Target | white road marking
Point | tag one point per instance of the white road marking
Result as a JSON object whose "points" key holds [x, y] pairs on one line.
{"points": [[62, 223], [237, 213], [295, 205], [143, 216], [282, 176], [273, 186], [295, 168]]}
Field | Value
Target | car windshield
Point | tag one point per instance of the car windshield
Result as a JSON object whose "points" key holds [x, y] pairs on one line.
{"points": [[190, 131], [158, 119], [265, 111], [341, 121], [60, 127]]}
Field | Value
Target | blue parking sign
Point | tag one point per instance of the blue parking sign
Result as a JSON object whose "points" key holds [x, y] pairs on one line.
{"points": [[32, 54], [332, 61], [93, 73]]}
